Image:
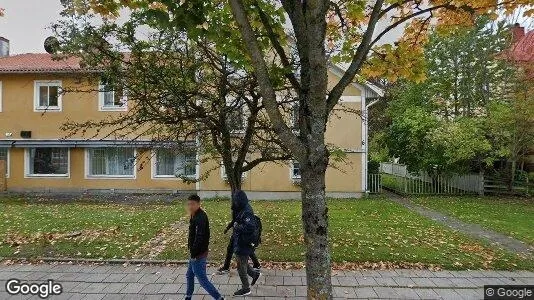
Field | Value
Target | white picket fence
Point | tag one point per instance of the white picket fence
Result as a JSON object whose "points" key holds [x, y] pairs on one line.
{"points": [[397, 178]]}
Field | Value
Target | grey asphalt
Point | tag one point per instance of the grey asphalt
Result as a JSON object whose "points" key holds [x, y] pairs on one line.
{"points": [[168, 282]]}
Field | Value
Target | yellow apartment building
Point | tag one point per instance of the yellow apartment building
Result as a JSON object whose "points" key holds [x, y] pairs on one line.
{"points": [[39, 157]]}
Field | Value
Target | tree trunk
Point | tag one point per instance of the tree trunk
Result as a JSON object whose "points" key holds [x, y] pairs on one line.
{"points": [[235, 181], [315, 222], [512, 175]]}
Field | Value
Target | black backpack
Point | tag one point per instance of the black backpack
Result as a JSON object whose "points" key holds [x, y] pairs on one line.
{"points": [[256, 238]]}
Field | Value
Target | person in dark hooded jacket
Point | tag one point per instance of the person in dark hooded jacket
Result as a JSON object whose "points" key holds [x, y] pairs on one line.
{"points": [[230, 249], [244, 227]]}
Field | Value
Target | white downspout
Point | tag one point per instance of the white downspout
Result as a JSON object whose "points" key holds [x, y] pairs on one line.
{"points": [[197, 166]]}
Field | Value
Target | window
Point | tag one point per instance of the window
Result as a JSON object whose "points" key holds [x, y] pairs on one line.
{"points": [[295, 170], [236, 120], [225, 176], [111, 162], [47, 162], [111, 97], [4, 155], [47, 95], [235, 116], [170, 163]]}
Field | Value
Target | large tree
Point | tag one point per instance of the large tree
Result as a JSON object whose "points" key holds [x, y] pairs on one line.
{"points": [[352, 28], [448, 123], [510, 124], [182, 95], [316, 34]]}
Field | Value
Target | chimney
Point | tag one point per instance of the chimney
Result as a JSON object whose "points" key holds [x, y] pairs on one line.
{"points": [[4, 47], [518, 32]]}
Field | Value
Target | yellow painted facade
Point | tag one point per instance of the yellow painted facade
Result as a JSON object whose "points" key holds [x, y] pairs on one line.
{"points": [[17, 113]]}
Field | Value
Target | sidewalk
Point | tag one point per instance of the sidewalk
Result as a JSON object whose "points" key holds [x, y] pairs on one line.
{"points": [[161, 282]]}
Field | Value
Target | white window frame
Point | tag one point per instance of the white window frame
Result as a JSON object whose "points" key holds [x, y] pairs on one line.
{"points": [[224, 176], [87, 167], [291, 169], [36, 94], [101, 99], [7, 160], [229, 102], [27, 168], [154, 168]]}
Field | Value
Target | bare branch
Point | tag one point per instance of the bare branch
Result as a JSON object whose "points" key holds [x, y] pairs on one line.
{"points": [[265, 85]]}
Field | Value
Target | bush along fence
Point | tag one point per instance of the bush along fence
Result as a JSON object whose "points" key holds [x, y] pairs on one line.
{"points": [[496, 185], [396, 178]]}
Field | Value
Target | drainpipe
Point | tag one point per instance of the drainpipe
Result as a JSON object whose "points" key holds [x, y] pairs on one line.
{"points": [[197, 166]]}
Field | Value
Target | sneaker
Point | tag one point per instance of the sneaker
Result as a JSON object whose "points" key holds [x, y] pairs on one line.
{"points": [[222, 271], [255, 279], [242, 292]]}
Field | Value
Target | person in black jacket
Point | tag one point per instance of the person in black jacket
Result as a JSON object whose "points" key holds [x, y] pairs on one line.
{"points": [[244, 227], [230, 249], [198, 242]]}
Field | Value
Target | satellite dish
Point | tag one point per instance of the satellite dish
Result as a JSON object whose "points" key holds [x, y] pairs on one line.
{"points": [[65, 3], [51, 45]]}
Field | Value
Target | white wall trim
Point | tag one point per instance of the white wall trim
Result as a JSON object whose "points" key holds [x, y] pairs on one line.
{"points": [[197, 167], [8, 161], [36, 85], [351, 98], [364, 145]]}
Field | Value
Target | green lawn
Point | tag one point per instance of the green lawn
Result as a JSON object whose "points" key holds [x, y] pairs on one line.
{"points": [[93, 230], [511, 216], [364, 230]]}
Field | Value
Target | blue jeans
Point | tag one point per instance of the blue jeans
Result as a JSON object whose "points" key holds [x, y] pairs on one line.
{"points": [[197, 268]]}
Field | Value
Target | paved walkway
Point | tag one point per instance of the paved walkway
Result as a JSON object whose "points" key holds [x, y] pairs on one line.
{"points": [[167, 282], [474, 230]]}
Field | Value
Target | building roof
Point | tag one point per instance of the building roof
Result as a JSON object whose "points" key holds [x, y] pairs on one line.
{"points": [[522, 48], [47, 63], [371, 90], [38, 63]]}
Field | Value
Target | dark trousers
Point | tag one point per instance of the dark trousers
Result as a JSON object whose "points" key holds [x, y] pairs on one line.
{"points": [[230, 253], [244, 270]]}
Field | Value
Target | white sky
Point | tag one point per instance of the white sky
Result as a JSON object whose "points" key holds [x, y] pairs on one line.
{"points": [[25, 23]]}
